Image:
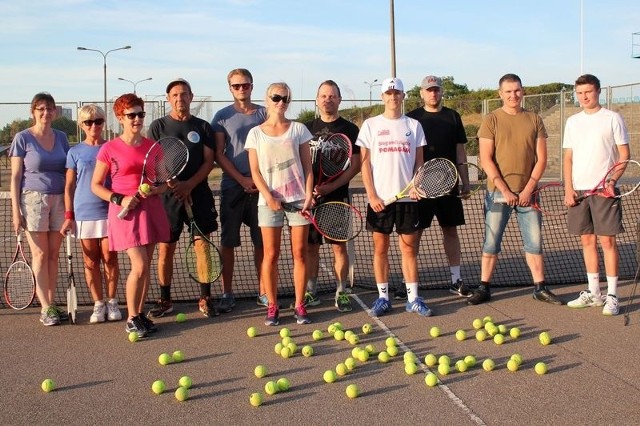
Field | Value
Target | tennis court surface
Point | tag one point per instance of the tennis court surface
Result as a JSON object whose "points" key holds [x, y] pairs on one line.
{"points": [[101, 377]]}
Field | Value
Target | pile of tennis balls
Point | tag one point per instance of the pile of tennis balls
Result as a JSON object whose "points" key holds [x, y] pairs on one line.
{"points": [[185, 383]]}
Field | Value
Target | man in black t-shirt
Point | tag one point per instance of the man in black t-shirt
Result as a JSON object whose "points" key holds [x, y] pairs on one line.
{"points": [[328, 101]]}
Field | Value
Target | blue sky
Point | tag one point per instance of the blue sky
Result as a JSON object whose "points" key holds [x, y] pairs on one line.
{"points": [[304, 42]]}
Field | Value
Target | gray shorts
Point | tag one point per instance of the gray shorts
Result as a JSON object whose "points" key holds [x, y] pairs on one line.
{"points": [[42, 212], [596, 215]]}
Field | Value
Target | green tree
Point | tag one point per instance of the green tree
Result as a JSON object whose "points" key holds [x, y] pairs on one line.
{"points": [[69, 127], [9, 131], [306, 115]]}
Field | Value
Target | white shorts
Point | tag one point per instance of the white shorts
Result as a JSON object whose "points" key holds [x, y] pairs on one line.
{"points": [[89, 229]]}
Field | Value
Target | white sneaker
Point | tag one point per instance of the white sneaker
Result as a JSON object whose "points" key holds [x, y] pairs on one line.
{"points": [[585, 300], [99, 313], [113, 313], [610, 305]]}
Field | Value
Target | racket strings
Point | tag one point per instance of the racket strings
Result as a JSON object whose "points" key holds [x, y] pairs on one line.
{"points": [[19, 286], [166, 160], [435, 178], [334, 154], [203, 262], [337, 221]]}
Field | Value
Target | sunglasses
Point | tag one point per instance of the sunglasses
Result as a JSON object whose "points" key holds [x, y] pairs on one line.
{"points": [[133, 115], [245, 86], [278, 98], [97, 122]]}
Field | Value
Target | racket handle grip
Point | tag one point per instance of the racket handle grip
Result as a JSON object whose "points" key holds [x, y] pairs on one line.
{"points": [[125, 210], [68, 244], [391, 200]]}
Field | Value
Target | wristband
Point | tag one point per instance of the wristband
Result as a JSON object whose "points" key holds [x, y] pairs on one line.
{"points": [[116, 198], [69, 215]]}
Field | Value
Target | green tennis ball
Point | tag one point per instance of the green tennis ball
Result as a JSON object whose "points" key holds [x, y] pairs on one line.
{"points": [[514, 332], [541, 368], [363, 356], [498, 339], [177, 356], [252, 332], [255, 399], [409, 357], [338, 325], [48, 385], [133, 337], [434, 332], [487, 319], [370, 348], [410, 368], [352, 391], [502, 329], [493, 331], [341, 369], [513, 365], [158, 387], [462, 366], [283, 384], [444, 369], [286, 340], [307, 351], [477, 324], [545, 338], [367, 328], [350, 363], [355, 351], [271, 387], [517, 358], [285, 352], [165, 359], [145, 188], [338, 335], [348, 334], [293, 348], [383, 357], [488, 365], [260, 371], [461, 335], [481, 335], [390, 341], [470, 360], [181, 317], [444, 360], [185, 382], [331, 329], [431, 380], [182, 394], [284, 332], [317, 335], [329, 376], [278, 348], [392, 350], [353, 339], [430, 360]]}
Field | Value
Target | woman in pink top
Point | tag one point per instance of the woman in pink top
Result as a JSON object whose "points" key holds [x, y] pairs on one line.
{"points": [[146, 223]]}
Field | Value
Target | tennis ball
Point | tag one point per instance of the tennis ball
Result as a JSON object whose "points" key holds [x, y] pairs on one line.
{"points": [[177, 356], [409, 357], [158, 387], [182, 394], [390, 341], [164, 359], [285, 332], [517, 358], [317, 335], [271, 387], [498, 339], [541, 368], [477, 324], [430, 360], [185, 382], [383, 357], [145, 188], [285, 352], [331, 329], [410, 368], [488, 364], [493, 331], [370, 348], [341, 369], [470, 360], [350, 363], [348, 334], [329, 376], [260, 371], [283, 384], [252, 332], [133, 336], [48, 385], [392, 350], [488, 325], [293, 348], [354, 339], [461, 366], [481, 335], [355, 351], [286, 340], [444, 369], [461, 335], [513, 365], [363, 356], [502, 329], [514, 332], [545, 338], [255, 399], [434, 332], [352, 391], [444, 360], [338, 335], [367, 328], [278, 348], [338, 325], [487, 319], [431, 380], [181, 317], [307, 351]]}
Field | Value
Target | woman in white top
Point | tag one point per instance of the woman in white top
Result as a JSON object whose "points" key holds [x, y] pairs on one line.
{"points": [[280, 164]]}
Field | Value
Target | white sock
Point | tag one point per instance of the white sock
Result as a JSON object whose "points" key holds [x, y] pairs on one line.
{"points": [[593, 279], [455, 273], [612, 285], [383, 290], [339, 286], [412, 292], [311, 285], [98, 303]]}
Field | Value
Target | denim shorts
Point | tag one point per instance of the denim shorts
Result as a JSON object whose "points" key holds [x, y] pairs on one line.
{"points": [[496, 217], [268, 218], [42, 212]]}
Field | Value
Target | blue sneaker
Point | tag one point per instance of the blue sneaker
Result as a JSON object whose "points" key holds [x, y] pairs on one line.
{"points": [[419, 307], [381, 306], [262, 300]]}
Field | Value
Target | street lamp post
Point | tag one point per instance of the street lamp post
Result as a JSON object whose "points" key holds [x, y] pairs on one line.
{"points": [[104, 62], [373, 83], [135, 83]]}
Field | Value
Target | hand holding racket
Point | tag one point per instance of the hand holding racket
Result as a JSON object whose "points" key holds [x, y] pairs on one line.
{"points": [[330, 158], [19, 282], [164, 161], [435, 178], [607, 186], [335, 220], [476, 180], [72, 296], [204, 262]]}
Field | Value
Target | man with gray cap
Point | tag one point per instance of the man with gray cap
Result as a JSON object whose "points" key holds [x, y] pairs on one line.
{"points": [[191, 187], [444, 130]]}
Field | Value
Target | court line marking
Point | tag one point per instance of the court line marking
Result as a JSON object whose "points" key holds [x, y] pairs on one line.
{"points": [[450, 394]]}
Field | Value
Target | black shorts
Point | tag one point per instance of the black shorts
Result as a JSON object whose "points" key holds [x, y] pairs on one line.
{"points": [[314, 236], [236, 208], [204, 212], [447, 209], [403, 215]]}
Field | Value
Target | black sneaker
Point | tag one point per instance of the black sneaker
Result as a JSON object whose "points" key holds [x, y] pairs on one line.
{"points": [[148, 324], [135, 325], [545, 295], [400, 293], [161, 308], [460, 288], [479, 295]]}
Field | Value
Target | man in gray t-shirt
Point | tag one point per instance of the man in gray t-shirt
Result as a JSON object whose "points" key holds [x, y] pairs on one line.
{"points": [[239, 195]]}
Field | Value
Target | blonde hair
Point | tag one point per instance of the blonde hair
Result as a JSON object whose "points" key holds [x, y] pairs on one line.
{"points": [[282, 85], [89, 110]]}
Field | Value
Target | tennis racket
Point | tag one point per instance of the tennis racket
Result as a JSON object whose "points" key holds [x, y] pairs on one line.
{"points": [[549, 199], [477, 179], [331, 157], [335, 220], [72, 296], [204, 262], [435, 178], [629, 169], [19, 282], [165, 160]]}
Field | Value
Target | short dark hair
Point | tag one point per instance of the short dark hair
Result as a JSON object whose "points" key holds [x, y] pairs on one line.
{"points": [[509, 77], [588, 79], [330, 83]]}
